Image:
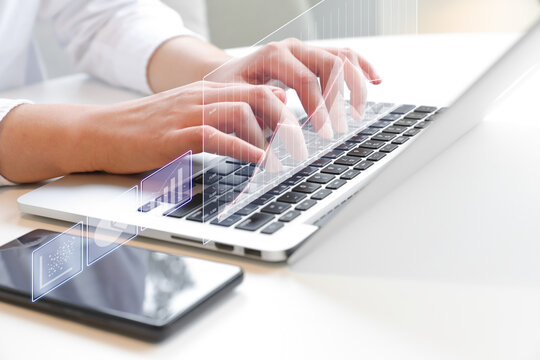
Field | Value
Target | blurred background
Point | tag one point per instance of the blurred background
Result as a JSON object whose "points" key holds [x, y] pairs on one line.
{"points": [[234, 23]]}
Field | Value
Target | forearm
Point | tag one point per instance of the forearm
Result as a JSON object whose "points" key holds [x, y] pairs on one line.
{"points": [[181, 61], [38, 142]]}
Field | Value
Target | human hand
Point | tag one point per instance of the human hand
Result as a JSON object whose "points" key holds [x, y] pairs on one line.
{"points": [[147, 133], [300, 66]]}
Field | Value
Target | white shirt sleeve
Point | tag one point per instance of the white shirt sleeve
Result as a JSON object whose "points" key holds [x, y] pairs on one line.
{"points": [[114, 39], [6, 105]]}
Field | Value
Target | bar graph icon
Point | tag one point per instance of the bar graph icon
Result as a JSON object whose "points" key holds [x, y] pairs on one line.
{"points": [[169, 187]]}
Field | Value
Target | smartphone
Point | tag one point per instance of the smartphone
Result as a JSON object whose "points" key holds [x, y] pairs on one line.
{"points": [[133, 291]]}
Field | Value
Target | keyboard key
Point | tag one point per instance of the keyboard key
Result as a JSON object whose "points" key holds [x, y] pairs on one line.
{"points": [[206, 213], [351, 174], [400, 140], [336, 184], [227, 198], [263, 199], [376, 156], [369, 131], [306, 204], [220, 188], [292, 197], [405, 122], [422, 125], [334, 154], [228, 221], [347, 145], [233, 180], [370, 144], [359, 152], [425, 109], [307, 187], [276, 208], [194, 204], [255, 221], [391, 117], [280, 189], [347, 160], [363, 165], [241, 187], [248, 209], [395, 129], [321, 178], [272, 228], [209, 178], [358, 139], [388, 148], [293, 180], [380, 124], [236, 161], [383, 137], [415, 116], [246, 171], [291, 215], [322, 162], [334, 169], [308, 170], [403, 109], [224, 169], [412, 132], [321, 194]]}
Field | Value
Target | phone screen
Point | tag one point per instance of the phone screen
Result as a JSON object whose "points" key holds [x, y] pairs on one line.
{"points": [[143, 286]]}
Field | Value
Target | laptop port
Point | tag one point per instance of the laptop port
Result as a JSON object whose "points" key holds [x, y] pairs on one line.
{"points": [[252, 252], [225, 247]]}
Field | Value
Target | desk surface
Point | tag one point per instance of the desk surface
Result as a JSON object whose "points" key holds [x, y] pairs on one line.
{"points": [[445, 266]]}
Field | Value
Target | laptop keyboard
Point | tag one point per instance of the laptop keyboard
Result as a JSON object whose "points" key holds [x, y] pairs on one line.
{"points": [[348, 159]]}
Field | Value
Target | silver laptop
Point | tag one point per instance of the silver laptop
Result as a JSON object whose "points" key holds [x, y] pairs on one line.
{"points": [[233, 207]]}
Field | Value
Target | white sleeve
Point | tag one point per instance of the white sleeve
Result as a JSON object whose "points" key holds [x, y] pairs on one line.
{"points": [[6, 105], [114, 39]]}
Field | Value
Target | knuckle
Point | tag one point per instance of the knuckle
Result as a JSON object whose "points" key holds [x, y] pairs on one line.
{"points": [[262, 91], [205, 131], [242, 110], [308, 79], [273, 47], [292, 41]]}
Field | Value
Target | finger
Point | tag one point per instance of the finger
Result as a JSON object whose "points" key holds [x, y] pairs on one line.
{"points": [[280, 64], [357, 83], [235, 117], [355, 80], [268, 107], [329, 68], [366, 67], [209, 139]]}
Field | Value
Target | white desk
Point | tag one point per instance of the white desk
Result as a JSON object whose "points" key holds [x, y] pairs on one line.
{"points": [[444, 267]]}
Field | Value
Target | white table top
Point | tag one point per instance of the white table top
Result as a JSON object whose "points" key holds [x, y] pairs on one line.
{"points": [[444, 267]]}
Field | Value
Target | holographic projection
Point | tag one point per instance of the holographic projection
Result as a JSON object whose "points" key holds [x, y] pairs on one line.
{"points": [[57, 261], [303, 100], [111, 225], [169, 187]]}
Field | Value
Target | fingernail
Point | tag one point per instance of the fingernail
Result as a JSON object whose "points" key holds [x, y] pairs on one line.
{"points": [[280, 93]]}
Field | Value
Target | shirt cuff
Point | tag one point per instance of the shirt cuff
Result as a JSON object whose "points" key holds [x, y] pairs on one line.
{"points": [[6, 105]]}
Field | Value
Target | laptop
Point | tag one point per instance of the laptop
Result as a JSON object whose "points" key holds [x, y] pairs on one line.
{"points": [[232, 212]]}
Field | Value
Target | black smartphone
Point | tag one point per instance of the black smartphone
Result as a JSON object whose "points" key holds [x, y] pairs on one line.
{"points": [[133, 291]]}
